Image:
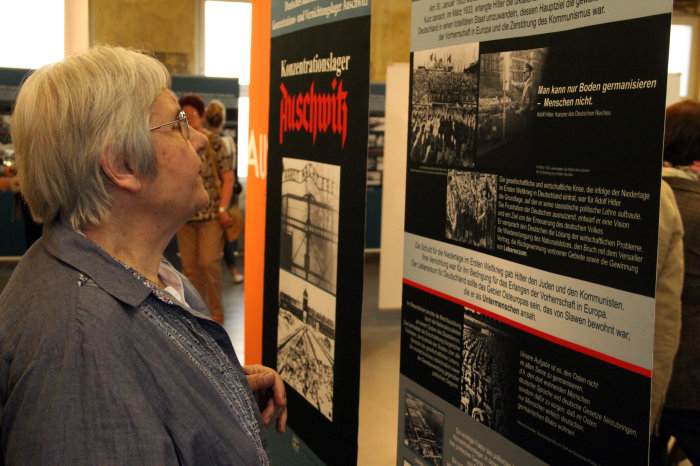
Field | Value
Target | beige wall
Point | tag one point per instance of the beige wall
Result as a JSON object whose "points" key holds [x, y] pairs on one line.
{"points": [[169, 27], [165, 27], [390, 36]]}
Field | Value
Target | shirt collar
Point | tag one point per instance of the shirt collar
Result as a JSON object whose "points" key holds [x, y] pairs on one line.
{"points": [[111, 275]]}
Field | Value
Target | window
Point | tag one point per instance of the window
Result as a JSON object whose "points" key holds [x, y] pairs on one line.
{"points": [[682, 59], [679, 54], [227, 29], [32, 39]]}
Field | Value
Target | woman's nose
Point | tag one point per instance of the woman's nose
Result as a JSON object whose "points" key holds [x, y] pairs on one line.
{"points": [[199, 141]]}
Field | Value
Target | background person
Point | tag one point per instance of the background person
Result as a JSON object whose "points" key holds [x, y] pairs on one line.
{"points": [[669, 285], [215, 117], [7, 181], [108, 354], [20, 211], [681, 414], [527, 96], [7, 174], [201, 239]]}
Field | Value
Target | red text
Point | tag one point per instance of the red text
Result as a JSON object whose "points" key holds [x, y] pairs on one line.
{"points": [[314, 113]]}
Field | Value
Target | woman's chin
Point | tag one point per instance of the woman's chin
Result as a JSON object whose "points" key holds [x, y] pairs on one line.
{"points": [[202, 200], [201, 206]]}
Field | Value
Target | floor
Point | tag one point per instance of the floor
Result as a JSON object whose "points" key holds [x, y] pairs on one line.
{"points": [[234, 322], [379, 375]]}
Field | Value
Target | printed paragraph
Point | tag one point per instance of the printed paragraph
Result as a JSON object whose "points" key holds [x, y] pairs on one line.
{"points": [[523, 296], [560, 398], [474, 451], [435, 340], [456, 19], [299, 11], [570, 221]]}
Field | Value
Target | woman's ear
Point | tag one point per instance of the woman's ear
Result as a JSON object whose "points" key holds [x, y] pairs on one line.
{"points": [[118, 171]]}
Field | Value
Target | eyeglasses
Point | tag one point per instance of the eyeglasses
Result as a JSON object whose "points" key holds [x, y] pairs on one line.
{"points": [[181, 122]]}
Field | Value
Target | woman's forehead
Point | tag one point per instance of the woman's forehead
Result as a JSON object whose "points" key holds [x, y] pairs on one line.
{"points": [[165, 104]]}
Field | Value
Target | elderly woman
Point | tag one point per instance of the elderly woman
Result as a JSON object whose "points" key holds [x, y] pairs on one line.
{"points": [[109, 355]]}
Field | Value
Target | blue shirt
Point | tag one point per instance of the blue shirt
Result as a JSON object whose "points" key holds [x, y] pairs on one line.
{"points": [[99, 366]]}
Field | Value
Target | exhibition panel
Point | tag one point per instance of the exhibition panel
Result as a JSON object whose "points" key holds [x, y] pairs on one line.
{"points": [[532, 205]]}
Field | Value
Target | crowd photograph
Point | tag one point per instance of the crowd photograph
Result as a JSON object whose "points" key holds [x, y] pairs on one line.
{"points": [[485, 371], [471, 208], [444, 106]]}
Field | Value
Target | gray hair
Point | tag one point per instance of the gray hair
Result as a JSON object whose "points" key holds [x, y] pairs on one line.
{"points": [[68, 115]]}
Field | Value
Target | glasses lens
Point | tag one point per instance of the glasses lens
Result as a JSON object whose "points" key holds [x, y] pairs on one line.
{"points": [[184, 125]]}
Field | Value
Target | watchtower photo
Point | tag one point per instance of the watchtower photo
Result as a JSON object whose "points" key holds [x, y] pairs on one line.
{"points": [[307, 281]]}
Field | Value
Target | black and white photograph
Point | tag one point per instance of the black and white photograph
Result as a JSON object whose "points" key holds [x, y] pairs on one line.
{"points": [[306, 340], [424, 427], [486, 388], [444, 89], [375, 150], [471, 208], [309, 221], [507, 94]]}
